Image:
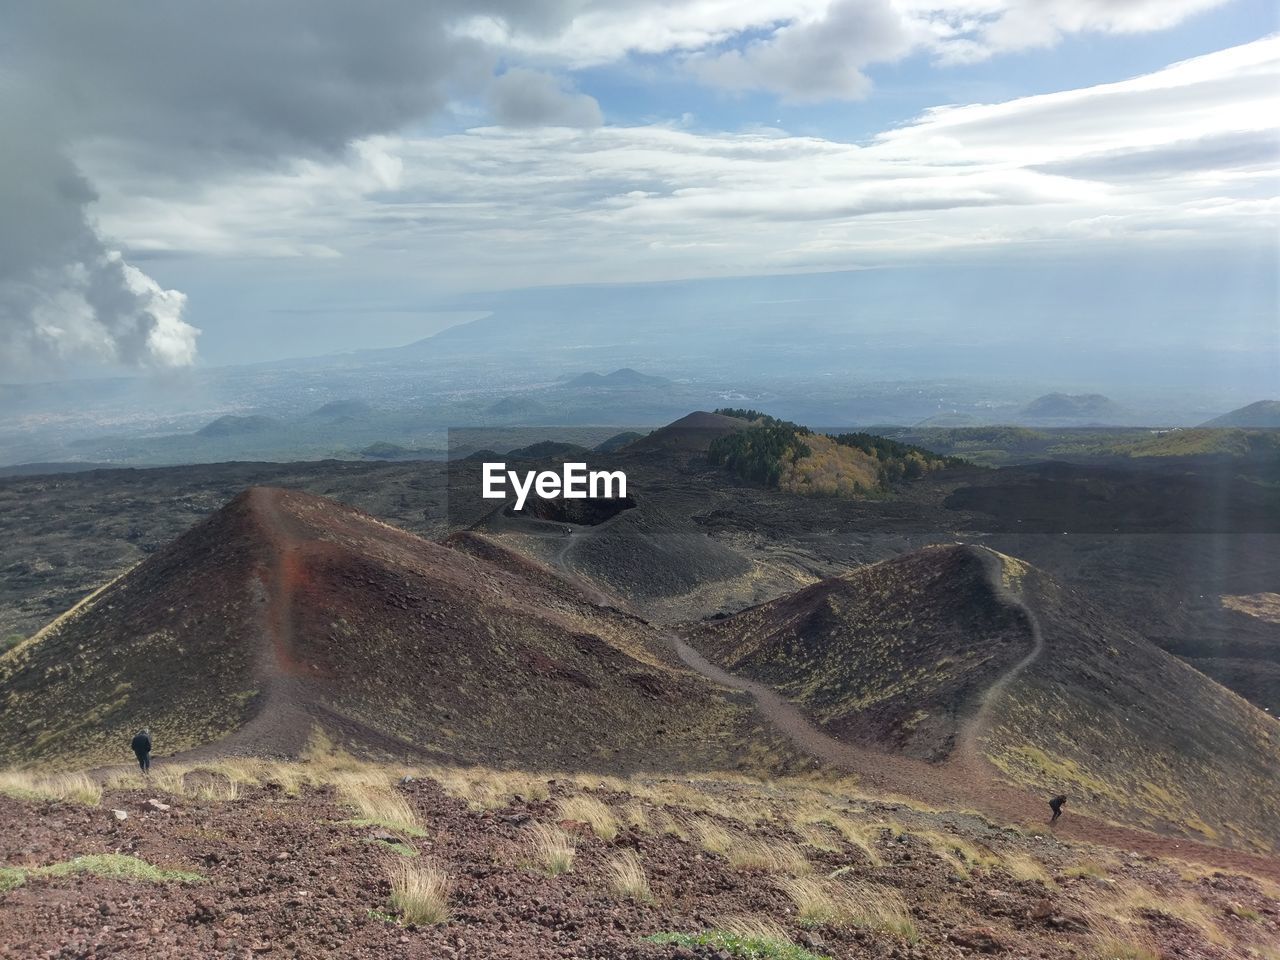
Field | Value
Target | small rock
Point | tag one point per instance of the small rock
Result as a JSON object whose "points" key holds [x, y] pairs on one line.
{"points": [[982, 939], [811, 940], [1042, 909], [120, 814], [281, 857], [155, 804]]}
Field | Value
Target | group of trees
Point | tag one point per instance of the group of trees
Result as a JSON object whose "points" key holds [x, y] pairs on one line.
{"points": [[761, 453], [790, 457]]}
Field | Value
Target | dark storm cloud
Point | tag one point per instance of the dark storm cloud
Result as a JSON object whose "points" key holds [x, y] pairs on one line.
{"points": [[191, 88], [530, 98]]}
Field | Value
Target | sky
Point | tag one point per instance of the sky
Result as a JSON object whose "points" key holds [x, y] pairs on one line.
{"points": [[190, 183]]}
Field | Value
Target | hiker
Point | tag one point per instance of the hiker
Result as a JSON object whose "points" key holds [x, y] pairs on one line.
{"points": [[141, 745], [1056, 806]]}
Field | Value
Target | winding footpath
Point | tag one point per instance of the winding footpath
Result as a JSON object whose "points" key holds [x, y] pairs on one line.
{"points": [[967, 779]]}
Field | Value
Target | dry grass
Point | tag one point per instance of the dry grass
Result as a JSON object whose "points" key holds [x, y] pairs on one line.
{"points": [[56, 788], [289, 777], [1023, 866], [380, 805], [1087, 868], [635, 815], [482, 788], [550, 849], [1118, 918], [859, 834], [170, 778], [216, 787], [712, 837], [754, 928], [595, 813], [753, 855], [956, 851], [627, 877], [668, 825], [830, 903], [420, 892]]}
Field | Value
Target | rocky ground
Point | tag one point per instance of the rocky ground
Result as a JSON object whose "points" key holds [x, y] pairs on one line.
{"points": [[252, 858]]}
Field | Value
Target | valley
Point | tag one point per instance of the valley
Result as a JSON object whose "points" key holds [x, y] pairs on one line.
{"points": [[921, 668]]}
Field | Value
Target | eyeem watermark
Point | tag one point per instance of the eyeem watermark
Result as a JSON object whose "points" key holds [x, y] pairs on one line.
{"points": [[573, 482]]}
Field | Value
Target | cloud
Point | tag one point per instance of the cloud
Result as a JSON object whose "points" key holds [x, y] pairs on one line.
{"points": [[805, 50], [530, 98], [64, 292], [181, 91], [819, 59], [561, 205], [291, 130], [968, 30]]}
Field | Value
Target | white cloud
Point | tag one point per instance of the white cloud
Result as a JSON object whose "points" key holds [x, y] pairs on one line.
{"points": [[977, 29], [817, 49], [818, 59], [625, 203]]}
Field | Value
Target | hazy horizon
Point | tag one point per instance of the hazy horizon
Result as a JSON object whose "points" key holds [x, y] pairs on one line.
{"points": [[470, 159]]}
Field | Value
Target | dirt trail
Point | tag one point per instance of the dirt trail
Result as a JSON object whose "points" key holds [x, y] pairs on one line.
{"points": [[968, 754], [967, 779]]}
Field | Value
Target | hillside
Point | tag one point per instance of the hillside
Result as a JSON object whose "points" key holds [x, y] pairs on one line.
{"points": [[693, 433], [1088, 407], [625, 377], [1264, 414], [795, 459], [243, 857], [285, 611], [952, 653], [233, 426]]}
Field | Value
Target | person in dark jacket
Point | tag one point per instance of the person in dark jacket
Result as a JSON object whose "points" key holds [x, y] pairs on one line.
{"points": [[141, 745], [1056, 806]]}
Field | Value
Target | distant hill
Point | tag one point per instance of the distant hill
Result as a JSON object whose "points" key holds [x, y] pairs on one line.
{"points": [[516, 406], [1085, 407], [793, 458], [1234, 442], [617, 441], [341, 409], [285, 612], [383, 450], [693, 433], [956, 647], [545, 449], [233, 426], [625, 377], [1263, 414]]}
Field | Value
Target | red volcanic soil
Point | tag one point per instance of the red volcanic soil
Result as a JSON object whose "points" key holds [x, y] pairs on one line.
{"points": [[942, 632], [286, 611], [290, 876]]}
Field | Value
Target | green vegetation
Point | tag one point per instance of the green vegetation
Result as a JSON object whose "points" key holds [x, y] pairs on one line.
{"points": [[395, 846], [899, 461], [9, 641], [998, 446], [746, 948], [115, 866], [742, 413], [790, 457], [760, 453]]}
